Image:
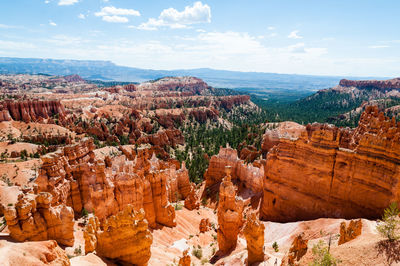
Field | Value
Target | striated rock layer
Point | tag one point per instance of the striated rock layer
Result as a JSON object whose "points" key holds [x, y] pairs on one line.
{"points": [[124, 236], [76, 178], [250, 175], [334, 172], [29, 110], [33, 218], [376, 84]]}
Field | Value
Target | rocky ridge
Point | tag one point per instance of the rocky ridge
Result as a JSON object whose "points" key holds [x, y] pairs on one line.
{"points": [[333, 172]]}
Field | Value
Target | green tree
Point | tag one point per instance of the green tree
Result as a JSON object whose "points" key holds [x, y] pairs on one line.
{"points": [[389, 224], [322, 256]]}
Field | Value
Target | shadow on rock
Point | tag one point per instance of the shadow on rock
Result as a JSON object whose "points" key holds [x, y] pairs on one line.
{"points": [[391, 249]]}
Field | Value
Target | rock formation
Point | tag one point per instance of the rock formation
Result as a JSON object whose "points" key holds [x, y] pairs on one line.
{"points": [[185, 259], [248, 174], [204, 225], [254, 233], [351, 232], [188, 84], [275, 132], [170, 137], [32, 253], [74, 78], [334, 172], [29, 110], [192, 201], [33, 218], [229, 215], [297, 250], [90, 234], [76, 178], [124, 237], [376, 84]]}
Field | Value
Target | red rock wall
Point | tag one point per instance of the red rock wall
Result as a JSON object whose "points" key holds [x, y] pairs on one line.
{"points": [[74, 177], [331, 172], [29, 111], [248, 174]]}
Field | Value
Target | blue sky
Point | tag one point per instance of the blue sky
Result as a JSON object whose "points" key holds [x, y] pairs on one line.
{"points": [[321, 37]]}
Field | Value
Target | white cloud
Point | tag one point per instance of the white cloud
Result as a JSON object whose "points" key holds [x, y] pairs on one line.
{"points": [[116, 15], [114, 11], [81, 16], [378, 46], [295, 35], [47, 1], [115, 19], [174, 19], [67, 2], [271, 28], [51, 23]]}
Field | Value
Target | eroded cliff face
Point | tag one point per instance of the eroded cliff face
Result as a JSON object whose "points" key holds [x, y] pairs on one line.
{"points": [[377, 84], [250, 175], [124, 236], [254, 233], [29, 110], [332, 172], [76, 178], [230, 215], [33, 218]]}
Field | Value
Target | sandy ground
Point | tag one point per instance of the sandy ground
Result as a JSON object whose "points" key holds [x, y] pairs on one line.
{"points": [[19, 173], [16, 129], [169, 243], [8, 148], [106, 151]]}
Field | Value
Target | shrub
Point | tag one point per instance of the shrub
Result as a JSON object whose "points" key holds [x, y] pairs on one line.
{"points": [[178, 206], [388, 226], [322, 257], [275, 246], [78, 251], [204, 261], [204, 201], [85, 213], [197, 252]]}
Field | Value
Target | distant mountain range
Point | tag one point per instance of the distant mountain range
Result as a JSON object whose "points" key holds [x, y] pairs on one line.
{"points": [[107, 71]]}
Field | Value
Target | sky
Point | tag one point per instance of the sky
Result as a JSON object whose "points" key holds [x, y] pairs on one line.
{"points": [[317, 37]]}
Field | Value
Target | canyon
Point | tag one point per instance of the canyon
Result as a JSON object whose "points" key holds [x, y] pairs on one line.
{"points": [[123, 174]]}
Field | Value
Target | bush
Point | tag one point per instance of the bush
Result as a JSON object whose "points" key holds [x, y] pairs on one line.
{"points": [[204, 261], [78, 251], [85, 213], [275, 246], [322, 257], [388, 226], [197, 252], [204, 201], [178, 206]]}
